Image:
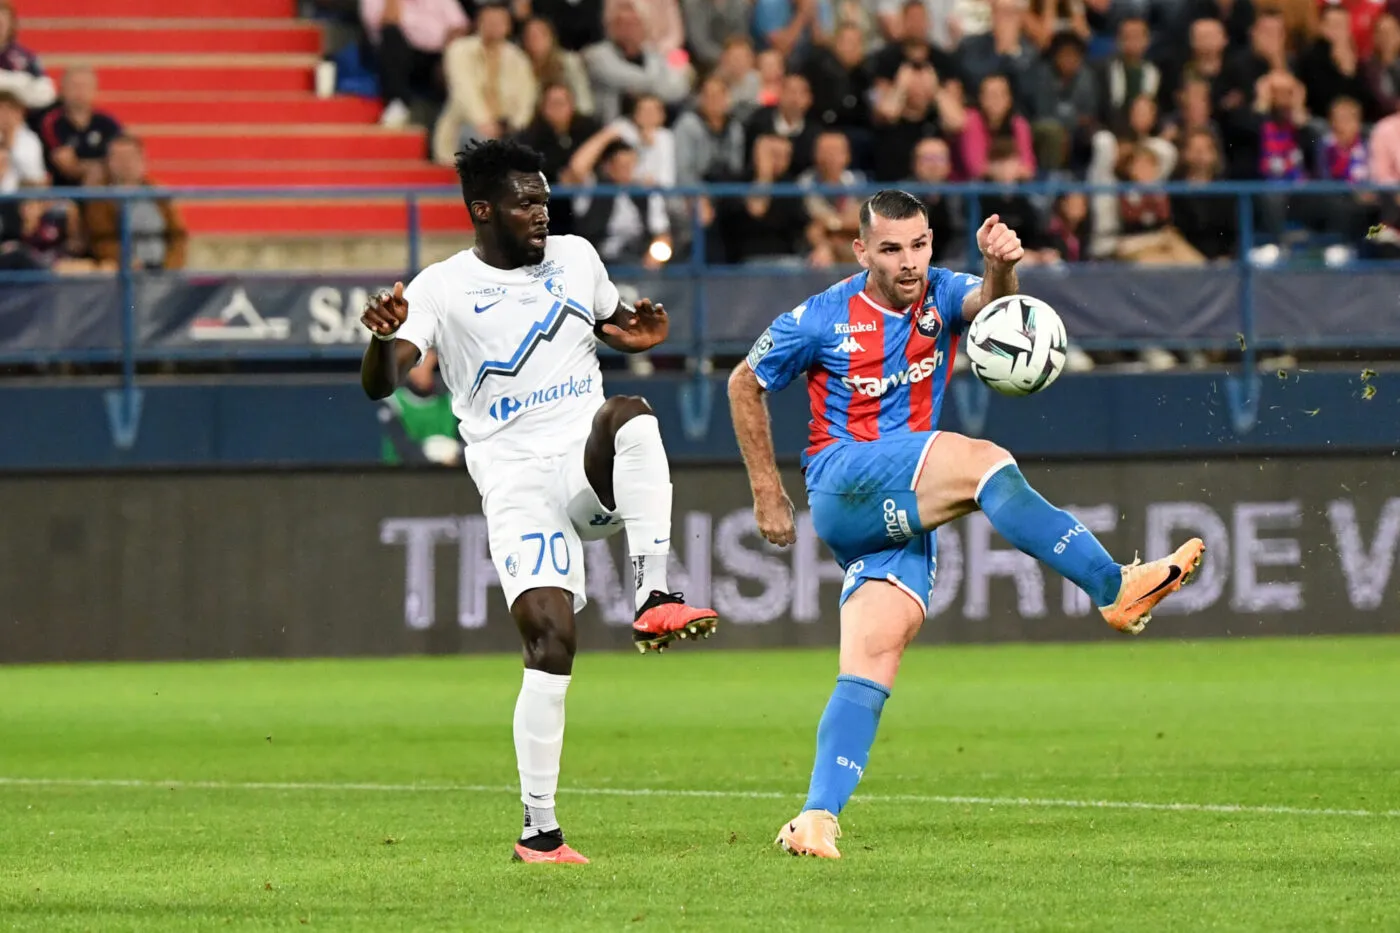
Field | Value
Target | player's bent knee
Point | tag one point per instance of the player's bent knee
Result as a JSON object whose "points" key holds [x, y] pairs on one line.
{"points": [[878, 622], [619, 410], [545, 618]]}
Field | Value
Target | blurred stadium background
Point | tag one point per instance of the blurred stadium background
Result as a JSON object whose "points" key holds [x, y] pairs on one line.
{"points": [[196, 199]]}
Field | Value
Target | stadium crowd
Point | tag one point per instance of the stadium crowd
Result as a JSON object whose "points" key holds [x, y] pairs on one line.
{"points": [[836, 92]]}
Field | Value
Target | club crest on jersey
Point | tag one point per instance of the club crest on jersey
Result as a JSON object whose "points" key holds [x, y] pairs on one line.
{"points": [[555, 286], [928, 323], [512, 564]]}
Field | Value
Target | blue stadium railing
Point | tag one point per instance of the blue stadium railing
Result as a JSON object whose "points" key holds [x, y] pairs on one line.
{"points": [[695, 269]]}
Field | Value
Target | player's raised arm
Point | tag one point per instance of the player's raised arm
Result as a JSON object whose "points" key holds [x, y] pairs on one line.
{"points": [[1001, 250], [388, 358]]}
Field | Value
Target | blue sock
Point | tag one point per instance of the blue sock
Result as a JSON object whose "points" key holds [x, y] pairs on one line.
{"points": [[1052, 535], [844, 737]]}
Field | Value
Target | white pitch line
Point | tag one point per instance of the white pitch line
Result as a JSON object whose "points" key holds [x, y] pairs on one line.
{"points": [[1025, 802]]}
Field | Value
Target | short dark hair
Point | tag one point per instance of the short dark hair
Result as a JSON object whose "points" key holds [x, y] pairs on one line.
{"points": [[892, 204], [484, 167], [1003, 148]]}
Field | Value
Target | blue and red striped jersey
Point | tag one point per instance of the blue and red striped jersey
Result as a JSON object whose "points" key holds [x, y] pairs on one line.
{"points": [[871, 371]]}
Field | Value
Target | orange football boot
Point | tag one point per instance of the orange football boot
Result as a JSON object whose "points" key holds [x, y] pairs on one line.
{"points": [[560, 853], [1146, 585], [811, 832], [664, 617]]}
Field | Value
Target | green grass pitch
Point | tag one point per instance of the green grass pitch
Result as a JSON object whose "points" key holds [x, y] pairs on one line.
{"points": [[378, 795]]}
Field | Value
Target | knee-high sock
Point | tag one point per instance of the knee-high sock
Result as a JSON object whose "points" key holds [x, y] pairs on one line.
{"points": [[642, 489], [539, 743], [1050, 534], [844, 736]]}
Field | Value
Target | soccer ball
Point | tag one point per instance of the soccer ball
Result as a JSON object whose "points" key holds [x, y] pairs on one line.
{"points": [[1017, 345]]}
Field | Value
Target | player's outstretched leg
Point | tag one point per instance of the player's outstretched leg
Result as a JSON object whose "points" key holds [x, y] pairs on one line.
{"points": [[878, 621], [961, 474], [545, 617], [626, 465]]}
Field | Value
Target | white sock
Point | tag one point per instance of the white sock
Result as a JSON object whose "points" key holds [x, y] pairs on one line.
{"points": [[539, 743], [642, 488]]}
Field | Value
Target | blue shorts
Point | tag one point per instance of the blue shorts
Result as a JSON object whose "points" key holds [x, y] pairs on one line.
{"points": [[865, 510]]}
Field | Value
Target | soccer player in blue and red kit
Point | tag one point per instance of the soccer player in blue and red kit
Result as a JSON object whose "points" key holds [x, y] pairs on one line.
{"points": [[877, 350]]}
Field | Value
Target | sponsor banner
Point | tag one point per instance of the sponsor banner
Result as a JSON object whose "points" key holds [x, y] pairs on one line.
{"points": [[252, 314], [299, 564]]}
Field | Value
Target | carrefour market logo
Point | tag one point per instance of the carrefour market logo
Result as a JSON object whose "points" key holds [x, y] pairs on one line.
{"points": [[507, 406]]}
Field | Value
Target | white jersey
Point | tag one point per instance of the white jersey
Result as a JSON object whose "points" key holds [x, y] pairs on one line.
{"points": [[516, 346]]}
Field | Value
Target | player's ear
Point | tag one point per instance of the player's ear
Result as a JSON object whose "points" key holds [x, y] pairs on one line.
{"points": [[858, 248], [480, 211]]}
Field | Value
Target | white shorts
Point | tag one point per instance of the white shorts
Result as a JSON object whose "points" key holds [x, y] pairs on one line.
{"points": [[538, 514]]}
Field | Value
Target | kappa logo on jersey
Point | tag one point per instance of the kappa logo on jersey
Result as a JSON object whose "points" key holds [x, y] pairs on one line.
{"points": [[875, 388], [928, 322], [850, 345], [503, 408], [797, 312]]}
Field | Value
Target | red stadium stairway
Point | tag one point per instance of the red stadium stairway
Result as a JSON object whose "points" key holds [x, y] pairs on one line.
{"points": [[221, 91]]}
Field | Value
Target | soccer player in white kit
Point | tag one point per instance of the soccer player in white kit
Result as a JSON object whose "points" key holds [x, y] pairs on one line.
{"points": [[515, 321]]}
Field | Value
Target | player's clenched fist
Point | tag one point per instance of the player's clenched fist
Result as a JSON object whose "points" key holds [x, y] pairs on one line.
{"points": [[999, 243], [774, 515], [386, 312]]}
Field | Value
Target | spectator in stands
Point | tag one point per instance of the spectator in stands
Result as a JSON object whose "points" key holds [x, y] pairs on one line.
{"points": [[1146, 234], [1206, 62], [941, 27], [974, 16], [1193, 113], [793, 27], [623, 226], [994, 118], [158, 235], [1109, 165], [555, 65], [1006, 168], [645, 131], [1267, 51], [1237, 16], [409, 37], [1004, 49], [624, 66], [709, 140], [557, 132], [1342, 156], [665, 30], [1383, 67], [840, 81], [837, 216], [20, 71], [75, 135], [1331, 68], [771, 69], [738, 70], [790, 118], [768, 229], [1068, 233], [913, 109], [913, 51], [933, 165], [1048, 19], [579, 23], [1385, 170], [1065, 106], [47, 237], [26, 162], [1209, 223], [491, 88], [1127, 74], [710, 24]]}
